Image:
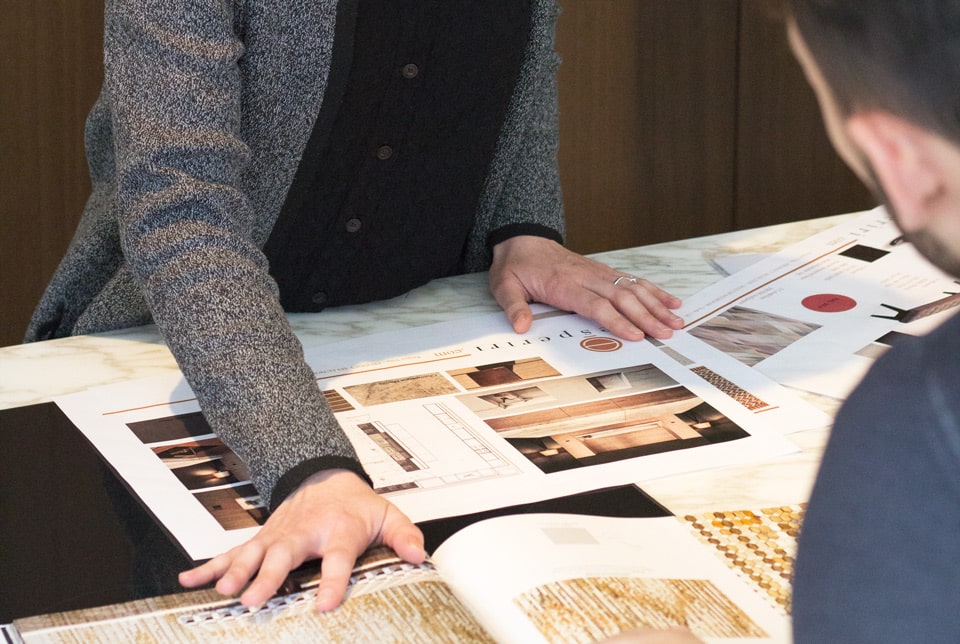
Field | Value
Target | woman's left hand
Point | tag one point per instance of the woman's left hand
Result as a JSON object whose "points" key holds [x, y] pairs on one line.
{"points": [[536, 269]]}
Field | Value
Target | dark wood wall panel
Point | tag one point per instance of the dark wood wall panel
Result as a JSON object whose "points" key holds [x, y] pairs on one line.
{"points": [[678, 118], [50, 74], [786, 167], [647, 119]]}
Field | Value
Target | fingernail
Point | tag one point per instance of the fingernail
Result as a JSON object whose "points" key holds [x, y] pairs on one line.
{"points": [[324, 599]]}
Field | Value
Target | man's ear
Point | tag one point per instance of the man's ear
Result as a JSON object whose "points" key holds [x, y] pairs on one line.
{"points": [[909, 162]]}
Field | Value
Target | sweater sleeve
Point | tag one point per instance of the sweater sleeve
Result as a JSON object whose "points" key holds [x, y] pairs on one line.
{"points": [[173, 83], [523, 196]]}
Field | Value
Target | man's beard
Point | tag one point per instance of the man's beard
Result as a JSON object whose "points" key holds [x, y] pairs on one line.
{"points": [[933, 249], [926, 243]]}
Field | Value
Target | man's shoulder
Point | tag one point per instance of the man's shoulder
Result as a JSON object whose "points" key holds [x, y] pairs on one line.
{"points": [[933, 354], [908, 383]]}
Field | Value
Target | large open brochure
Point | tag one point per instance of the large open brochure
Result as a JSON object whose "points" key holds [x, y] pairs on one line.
{"points": [[460, 417], [517, 578]]}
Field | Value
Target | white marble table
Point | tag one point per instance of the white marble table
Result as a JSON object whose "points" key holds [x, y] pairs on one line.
{"points": [[37, 372]]}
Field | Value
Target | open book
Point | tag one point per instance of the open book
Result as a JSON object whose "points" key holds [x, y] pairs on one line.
{"points": [[515, 578]]}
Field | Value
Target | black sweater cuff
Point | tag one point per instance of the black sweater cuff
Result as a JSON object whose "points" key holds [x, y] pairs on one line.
{"points": [[515, 230], [292, 479]]}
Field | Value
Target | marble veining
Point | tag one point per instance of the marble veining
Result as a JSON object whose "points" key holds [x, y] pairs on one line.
{"points": [[38, 372]]}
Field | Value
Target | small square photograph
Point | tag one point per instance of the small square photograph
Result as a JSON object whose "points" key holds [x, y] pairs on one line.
{"points": [[864, 253]]}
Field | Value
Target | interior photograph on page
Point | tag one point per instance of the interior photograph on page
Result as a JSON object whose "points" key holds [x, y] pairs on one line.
{"points": [[217, 478], [554, 422], [564, 423]]}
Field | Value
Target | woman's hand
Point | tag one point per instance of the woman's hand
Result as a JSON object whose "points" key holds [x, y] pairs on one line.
{"points": [[334, 515], [535, 269]]}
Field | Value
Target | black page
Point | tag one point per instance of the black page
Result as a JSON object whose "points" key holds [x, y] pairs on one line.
{"points": [[71, 536], [619, 501]]}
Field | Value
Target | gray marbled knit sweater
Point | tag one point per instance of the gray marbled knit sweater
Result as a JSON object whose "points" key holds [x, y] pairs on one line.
{"points": [[206, 108]]}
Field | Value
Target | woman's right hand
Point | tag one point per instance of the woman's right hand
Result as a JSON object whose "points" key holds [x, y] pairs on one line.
{"points": [[334, 515]]}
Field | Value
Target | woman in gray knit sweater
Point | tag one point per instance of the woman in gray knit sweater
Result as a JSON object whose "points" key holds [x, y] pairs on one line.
{"points": [[251, 157]]}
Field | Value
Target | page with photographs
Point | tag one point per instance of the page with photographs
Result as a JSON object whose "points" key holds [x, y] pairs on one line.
{"points": [[460, 417], [816, 315]]}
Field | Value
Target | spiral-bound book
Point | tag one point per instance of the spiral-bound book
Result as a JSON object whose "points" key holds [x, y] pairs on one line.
{"points": [[514, 578]]}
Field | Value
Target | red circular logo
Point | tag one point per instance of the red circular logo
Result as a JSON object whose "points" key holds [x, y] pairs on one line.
{"points": [[829, 303], [600, 343]]}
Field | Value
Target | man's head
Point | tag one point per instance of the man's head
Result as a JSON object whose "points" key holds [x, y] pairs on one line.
{"points": [[887, 76]]}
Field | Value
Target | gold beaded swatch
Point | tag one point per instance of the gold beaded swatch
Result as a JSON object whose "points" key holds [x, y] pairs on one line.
{"points": [[759, 545]]}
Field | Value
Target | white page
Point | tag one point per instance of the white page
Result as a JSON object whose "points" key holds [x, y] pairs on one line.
{"points": [[439, 438], [730, 264], [815, 315], [512, 569]]}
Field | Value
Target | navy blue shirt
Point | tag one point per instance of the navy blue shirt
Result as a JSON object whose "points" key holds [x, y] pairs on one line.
{"points": [[879, 551]]}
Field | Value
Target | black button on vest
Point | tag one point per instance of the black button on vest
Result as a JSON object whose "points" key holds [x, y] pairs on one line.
{"points": [[388, 187]]}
